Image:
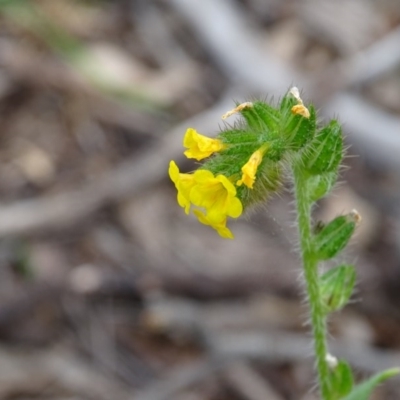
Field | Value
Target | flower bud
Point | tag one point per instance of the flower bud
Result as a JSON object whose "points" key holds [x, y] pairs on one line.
{"points": [[298, 130], [342, 380], [334, 236], [336, 287], [320, 185], [325, 151]]}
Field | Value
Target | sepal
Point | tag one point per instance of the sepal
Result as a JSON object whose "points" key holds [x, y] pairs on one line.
{"points": [[320, 185], [262, 117], [342, 380], [336, 287]]}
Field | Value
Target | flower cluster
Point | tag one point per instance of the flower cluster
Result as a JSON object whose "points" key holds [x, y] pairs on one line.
{"points": [[244, 162]]}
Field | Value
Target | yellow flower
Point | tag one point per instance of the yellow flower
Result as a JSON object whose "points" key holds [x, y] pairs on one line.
{"points": [[183, 183], [200, 146], [217, 195], [220, 227], [249, 169]]}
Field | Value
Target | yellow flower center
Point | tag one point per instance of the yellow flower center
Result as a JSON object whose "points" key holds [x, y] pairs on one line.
{"points": [[217, 195]]}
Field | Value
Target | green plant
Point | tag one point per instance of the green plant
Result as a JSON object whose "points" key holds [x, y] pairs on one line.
{"points": [[248, 162]]}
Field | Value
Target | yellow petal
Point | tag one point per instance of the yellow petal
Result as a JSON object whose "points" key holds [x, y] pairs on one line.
{"points": [[220, 227], [173, 171], [227, 184], [183, 183], [235, 208], [200, 146], [216, 194], [249, 169]]}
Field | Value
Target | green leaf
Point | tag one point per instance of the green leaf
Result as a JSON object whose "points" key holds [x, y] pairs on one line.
{"points": [[336, 287], [363, 390], [341, 380], [334, 236]]}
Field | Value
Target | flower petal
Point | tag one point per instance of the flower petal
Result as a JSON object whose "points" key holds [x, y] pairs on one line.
{"points": [[173, 171], [249, 170], [220, 227], [183, 183], [200, 146]]}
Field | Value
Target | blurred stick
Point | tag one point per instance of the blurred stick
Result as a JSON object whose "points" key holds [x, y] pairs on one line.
{"points": [[249, 383], [227, 346], [257, 344], [179, 379], [287, 347], [371, 63], [34, 371], [26, 66], [357, 70]]}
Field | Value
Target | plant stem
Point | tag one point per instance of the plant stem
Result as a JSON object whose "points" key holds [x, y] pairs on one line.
{"points": [[310, 266]]}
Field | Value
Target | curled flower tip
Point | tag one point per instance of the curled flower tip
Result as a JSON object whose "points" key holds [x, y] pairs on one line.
{"points": [[301, 109], [294, 91], [237, 109], [200, 146], [249, 170], [354, 214]]}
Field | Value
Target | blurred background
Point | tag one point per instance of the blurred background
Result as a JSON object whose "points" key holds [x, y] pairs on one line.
{"points": [[107, 289]]}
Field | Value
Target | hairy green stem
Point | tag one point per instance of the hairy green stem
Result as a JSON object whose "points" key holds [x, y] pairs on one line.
{"points": [[310, 266]]}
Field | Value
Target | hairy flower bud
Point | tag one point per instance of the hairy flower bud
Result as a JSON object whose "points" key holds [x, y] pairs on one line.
{"points": [[334, 236], [326, 150], [243, 164]]}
